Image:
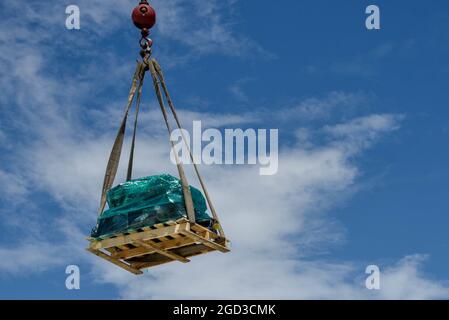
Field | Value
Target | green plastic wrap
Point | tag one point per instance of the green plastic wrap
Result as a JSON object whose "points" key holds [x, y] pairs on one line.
{"points": [[145, 202]]}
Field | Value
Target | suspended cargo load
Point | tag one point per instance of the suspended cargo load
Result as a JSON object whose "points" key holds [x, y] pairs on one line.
{"points": [[158, 219], [146, 202]]}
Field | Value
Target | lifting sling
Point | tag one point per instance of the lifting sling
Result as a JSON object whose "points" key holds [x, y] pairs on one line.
{"points": [[151, 65]]}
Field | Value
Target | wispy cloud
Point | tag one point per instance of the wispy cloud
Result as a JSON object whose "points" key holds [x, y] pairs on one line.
{"points": [[323, 108], [369, 63], [13, 186], [37, 256], [206, 27], [374, 123], [363, 131], [364, 64], [238, 91]]}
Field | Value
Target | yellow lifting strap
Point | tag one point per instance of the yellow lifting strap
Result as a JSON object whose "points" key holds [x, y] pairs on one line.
{"points": [[178, 123], [114, 158], [133, 143], [185, 185]]}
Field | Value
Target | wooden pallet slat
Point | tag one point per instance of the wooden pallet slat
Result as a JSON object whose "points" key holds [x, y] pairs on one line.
{"points": [[146, 235], [166, 245], [168, 254], [159, 244], [115, 261], [206, 242]]}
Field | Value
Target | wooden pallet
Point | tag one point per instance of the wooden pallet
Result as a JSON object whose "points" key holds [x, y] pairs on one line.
{"points": [[152, 246]]}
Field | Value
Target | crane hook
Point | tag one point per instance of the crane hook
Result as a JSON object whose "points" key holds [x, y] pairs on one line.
{"points": [[144, 18]]}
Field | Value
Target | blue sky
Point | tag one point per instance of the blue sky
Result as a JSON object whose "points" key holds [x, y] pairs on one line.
{"points": [[363, 127]]}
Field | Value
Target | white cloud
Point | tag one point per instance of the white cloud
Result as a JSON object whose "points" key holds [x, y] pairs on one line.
{"points": [[13, 186], [405, 280], [204, 27], [238, 91], [373, 124], [368, 63], [30, 258], [239, 277], [362, 132], [323, 107]]}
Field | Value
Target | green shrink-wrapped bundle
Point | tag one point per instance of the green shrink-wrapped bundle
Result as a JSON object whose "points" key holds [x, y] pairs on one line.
{"points": [[145, 202]]}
